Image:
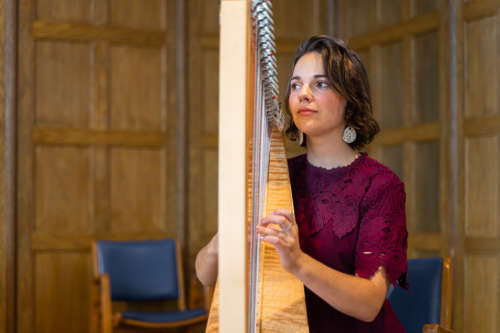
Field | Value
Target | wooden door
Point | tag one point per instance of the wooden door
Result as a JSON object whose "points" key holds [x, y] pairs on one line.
{"points": [[97, 156]]}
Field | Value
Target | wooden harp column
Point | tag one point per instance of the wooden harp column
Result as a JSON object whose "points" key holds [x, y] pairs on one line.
{"points": [[280, 304]]}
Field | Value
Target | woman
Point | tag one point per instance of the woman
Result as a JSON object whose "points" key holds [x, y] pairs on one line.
{"points": [[348, 240]]}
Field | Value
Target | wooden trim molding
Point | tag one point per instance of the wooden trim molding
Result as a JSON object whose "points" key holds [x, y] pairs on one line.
{"points": [[425, 240], [85, 137], [482, 245], [483, 125], [422, 132], [475, 10], [415, 26], [89, 33]]}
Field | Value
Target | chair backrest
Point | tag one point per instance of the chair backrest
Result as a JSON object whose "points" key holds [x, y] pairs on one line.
{"points": [[429, 297], [141, 270]]}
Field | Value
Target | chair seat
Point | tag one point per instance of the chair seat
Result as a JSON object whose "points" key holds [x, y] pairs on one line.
{"points": [[163, 317]]}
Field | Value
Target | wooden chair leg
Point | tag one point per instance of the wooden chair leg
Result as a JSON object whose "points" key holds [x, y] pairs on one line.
{"points": [[105, 298]]}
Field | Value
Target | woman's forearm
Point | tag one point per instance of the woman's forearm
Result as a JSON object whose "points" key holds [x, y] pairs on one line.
{"points": [[355, 296], [206, 263]]}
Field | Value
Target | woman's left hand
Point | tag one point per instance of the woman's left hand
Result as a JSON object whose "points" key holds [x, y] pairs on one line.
{"points": [[285, 239]]}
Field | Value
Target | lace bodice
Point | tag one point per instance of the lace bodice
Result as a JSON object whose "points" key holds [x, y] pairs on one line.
{"points": [[352, 219]]}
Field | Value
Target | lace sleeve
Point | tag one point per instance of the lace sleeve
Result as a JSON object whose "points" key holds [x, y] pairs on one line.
{"points": [[383, 236]]}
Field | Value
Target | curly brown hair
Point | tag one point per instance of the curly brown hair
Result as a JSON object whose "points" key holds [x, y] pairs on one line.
{"points": [[348, 77]]}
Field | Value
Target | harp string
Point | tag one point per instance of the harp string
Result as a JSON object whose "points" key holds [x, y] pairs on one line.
{"points": [[266, 114]]}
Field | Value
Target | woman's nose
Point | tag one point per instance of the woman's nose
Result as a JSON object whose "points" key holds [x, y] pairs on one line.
{"points": [[305, 94]]}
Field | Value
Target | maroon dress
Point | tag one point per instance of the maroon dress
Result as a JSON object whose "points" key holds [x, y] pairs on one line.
{"points": [[351, 219]]}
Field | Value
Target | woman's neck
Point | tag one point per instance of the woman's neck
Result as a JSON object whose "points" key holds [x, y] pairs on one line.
{"points": [[328, 152]]}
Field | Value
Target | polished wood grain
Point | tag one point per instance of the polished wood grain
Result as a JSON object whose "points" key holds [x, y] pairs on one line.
{"points": [[8, 65], [87, 137], [418, 25], [94, 141], [88, 33], [474, 10], [282, 303]]}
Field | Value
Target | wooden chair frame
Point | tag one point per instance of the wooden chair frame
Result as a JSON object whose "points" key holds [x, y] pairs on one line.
{"points": [[102, 318], [446, 301]]}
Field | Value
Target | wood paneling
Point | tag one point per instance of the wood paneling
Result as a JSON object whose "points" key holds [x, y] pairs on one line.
{"points": [[8, 73], [392, 156], [426, 78], [391, 102], [482, 186], [62, 188], [138, 14], [97, 158], [56, 10], [137, 190], [418, 25], [481, 293], [481, 85], [86, 137], [427, 187], [87, 33], [136, 89], [58, 271], [63, 102]]}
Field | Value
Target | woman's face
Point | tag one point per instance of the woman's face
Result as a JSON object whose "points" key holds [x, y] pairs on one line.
{"points": [[317, 109]]}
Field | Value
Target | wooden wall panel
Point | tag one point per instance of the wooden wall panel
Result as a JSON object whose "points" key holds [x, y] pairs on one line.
{"points": [[88, 169], [360, 17], [481, 67], [136, 84], [210, 104], [209, 17], [137, 191], [210, 166], [392, 156], [426, 78], [481, 293], [62, 191], [391, 102], [66, 100], [58, 311], [427, 187], [482, 187], [389, 12], [425, 6], [290, 23], [138, 14], [57, 10]]}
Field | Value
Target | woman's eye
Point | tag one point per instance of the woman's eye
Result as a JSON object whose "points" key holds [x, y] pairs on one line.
{"points": [[322, 84], [295, 86]]}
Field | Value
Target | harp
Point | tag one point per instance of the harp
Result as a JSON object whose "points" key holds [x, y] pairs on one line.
{"points": [[253, 293]]}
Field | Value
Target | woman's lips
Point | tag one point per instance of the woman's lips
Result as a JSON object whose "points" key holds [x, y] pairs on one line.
{"points": [[305, 112]]}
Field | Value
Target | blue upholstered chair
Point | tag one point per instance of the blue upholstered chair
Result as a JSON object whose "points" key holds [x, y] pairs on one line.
{"points": [[426, 307], [139, 271]]}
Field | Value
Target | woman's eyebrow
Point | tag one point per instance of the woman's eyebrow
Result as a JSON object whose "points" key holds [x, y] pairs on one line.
{"points": [[316, 76]]}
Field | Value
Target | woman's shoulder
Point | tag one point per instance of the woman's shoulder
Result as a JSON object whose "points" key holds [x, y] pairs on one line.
{"points": [[378, 173]]}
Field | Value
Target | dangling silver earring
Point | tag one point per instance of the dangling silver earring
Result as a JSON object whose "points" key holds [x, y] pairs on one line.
{"points": [[300, 137], [349, 134]]}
